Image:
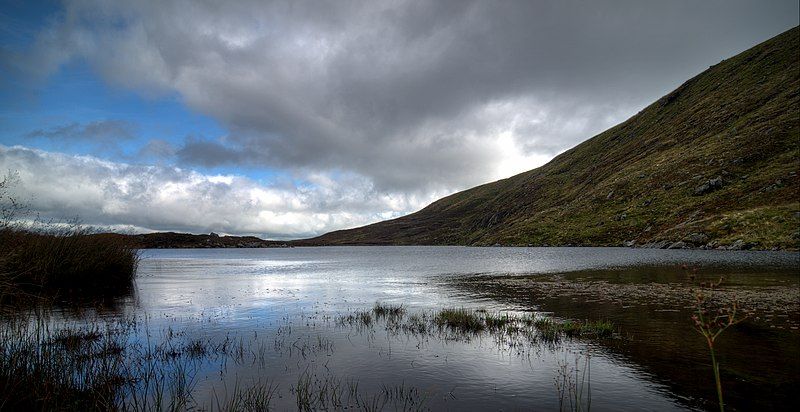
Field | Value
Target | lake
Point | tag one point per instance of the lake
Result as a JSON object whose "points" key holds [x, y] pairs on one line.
{"points": [[293, 320]]}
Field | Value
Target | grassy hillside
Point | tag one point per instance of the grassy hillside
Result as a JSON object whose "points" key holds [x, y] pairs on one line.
{"points": [[711, 163]]}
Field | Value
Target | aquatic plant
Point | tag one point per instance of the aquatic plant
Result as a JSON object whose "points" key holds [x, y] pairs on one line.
{"points": [[105, 365], [496, 321], [255, 397], [711, 323], [361, 318], [461, 319], [416, 324], [109, 364], [552, 329], [88, 368], [382, 310], [573, 384]]}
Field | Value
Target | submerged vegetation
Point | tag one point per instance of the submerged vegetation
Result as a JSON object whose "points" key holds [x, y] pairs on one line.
{"points": [[114, 365], [107, 366], [570, 328], [463, 323]]}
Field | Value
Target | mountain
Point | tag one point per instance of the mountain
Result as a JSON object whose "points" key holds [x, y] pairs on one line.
{"points": [[712, 164], [172, 240]]}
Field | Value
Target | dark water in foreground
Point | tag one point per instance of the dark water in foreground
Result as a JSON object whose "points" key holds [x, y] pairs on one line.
{"points": [[282, 306]]}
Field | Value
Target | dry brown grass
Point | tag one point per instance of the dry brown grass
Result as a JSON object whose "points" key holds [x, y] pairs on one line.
{"points": [[70, 259]]}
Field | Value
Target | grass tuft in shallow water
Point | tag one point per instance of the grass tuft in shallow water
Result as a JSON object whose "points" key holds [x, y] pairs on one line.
{"points": [[361, 318], [497, 322], [552, 329], [463, 320], [382, 310]]}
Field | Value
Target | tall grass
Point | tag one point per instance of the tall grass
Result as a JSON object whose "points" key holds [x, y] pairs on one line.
{"points": [[37, 256], [69, 259]]}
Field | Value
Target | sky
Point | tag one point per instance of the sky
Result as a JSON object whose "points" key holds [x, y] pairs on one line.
{"points": [[289, 119]]}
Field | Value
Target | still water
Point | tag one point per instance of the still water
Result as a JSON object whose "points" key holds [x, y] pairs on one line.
{"points": [[282, 306]]}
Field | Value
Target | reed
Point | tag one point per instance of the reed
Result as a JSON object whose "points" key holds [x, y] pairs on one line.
{"points": [[49, 256], [460, 319], [65, 260], [711, 323]]}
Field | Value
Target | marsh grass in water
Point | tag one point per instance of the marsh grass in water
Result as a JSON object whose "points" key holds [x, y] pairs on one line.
{"points": [[463, 320], [463, 323], [108, 365], [314, 392], [572, 328], [86, 368], [114, 364], [573, 384], [361, 318], [382, 310], [258, 396]]}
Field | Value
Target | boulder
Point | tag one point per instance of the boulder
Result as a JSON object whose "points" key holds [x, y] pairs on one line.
{"points": [[709, 186], [662, 244], [697, 238], [737, 245], [678, 245]]}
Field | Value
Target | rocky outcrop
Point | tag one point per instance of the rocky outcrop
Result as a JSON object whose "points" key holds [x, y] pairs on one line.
{"points": [[709, 186]]}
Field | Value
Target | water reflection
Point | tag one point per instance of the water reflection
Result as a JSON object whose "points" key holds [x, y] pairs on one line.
{"points": [[653, 305], [274, 312]]}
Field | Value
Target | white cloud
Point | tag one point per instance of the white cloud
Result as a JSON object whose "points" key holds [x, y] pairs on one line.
{"points": [[402, 92], [150, 198]]}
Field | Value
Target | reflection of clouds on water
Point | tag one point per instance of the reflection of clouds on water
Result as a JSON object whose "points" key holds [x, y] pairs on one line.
{"points": [[285, 300]]}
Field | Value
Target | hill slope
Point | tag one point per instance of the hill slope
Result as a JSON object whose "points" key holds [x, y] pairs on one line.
{"points": [[172, 240], [713, 162]]}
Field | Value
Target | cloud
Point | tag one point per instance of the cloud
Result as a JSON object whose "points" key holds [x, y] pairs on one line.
{"points": [[393, 90], [403, 99], [107, 131], [209, 153], [146, 198], [156, 149]]}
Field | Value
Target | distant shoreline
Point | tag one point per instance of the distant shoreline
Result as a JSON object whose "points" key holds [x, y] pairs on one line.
{"points": [[174, 240]]}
